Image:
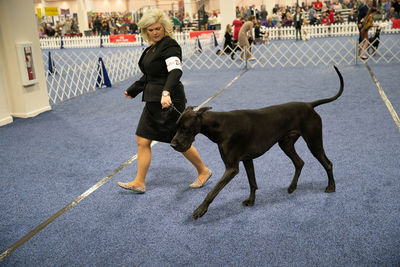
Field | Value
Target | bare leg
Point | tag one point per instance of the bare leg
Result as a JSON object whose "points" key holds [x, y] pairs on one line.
{"points": [[193, 156], [144, 159]]}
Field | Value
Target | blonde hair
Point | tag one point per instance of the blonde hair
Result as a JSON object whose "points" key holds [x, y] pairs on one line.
{"points": [[152, 16]]}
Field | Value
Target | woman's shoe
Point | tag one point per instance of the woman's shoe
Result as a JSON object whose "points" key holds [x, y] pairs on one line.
{"points": [[364, 57], [136, 189], [252, 58], [197, 183]]}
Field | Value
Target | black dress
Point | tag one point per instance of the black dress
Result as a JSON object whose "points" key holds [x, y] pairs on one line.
{"points": [[156, 123]]}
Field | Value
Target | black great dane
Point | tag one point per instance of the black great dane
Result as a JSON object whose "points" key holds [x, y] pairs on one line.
{"points": [[243, 135]]}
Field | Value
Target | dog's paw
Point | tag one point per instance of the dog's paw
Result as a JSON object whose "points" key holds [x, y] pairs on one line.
{"points": [[291, 188], [200, 211], [248, 202], [330, 189]]}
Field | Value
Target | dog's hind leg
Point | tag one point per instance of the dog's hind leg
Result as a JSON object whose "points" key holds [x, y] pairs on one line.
{"points": [[229, 174], [287, 145], [315, 144], [249, 166]]}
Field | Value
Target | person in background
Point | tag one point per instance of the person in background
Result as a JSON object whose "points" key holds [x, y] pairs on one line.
{"points": [[245, 31], [161, 64], [237, 24], [351, 17], [228, 46], [49, 31], [41, 32], [367, 23], [298, 21]]}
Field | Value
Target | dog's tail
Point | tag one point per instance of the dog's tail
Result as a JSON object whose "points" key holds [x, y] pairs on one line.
{"points": [[327, 100]]}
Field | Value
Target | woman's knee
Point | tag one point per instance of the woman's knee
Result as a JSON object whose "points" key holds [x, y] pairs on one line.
{"points": [[143, 142]]}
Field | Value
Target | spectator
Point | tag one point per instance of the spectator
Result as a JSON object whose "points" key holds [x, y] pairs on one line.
{"points": [[105, 29], [324, 19], [387, 6], [331, 15], [41, 32], [49, 31], [288, 20], [396, 9], [263, 13], [351, 17], [298, 20], [318, 6], [337, 7], [97, 26], [133, 27], [58, 29], [74, 26], [311, 13], [315, 20], [270, 23], [258, 36], [237, 24], [338, 19]]}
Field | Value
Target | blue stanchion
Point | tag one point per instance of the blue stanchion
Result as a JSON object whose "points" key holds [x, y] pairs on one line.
{"points": [[215, 40], [199, 48], [62, 43], [51, 66], [101, 68]]}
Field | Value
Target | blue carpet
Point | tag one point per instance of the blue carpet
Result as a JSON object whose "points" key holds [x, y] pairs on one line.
{"points": [[49, 160]]}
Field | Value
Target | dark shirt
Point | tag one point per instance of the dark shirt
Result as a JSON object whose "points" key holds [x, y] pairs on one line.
{"points": [[156, 77]]}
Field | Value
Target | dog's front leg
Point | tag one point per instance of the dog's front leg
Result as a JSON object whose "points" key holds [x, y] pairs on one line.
{"points": [[225, 179], [248, 164]]}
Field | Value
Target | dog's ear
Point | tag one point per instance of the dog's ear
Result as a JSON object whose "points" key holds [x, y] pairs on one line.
{"points": [[202, 110]]}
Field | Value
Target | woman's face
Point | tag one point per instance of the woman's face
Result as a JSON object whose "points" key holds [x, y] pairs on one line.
{"points": [[156, 32]]}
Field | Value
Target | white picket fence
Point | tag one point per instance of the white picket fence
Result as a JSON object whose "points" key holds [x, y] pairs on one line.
{"points": [[314, 31]]}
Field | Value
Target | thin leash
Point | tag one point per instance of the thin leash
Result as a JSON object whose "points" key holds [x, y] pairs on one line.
{"points": [[216, 94], [173, 107]]}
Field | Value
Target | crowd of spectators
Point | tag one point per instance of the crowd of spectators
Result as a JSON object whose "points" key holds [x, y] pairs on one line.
{"points": [[317, 13], [320, 13]]}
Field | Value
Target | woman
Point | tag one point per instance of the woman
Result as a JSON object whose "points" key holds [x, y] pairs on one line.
{"points": [[228, 46], [298, 20], [367, 23], [160, 85], [245, 30]]}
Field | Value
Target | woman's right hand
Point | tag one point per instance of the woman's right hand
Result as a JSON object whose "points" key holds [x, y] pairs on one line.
{"points": [[127, 96]]}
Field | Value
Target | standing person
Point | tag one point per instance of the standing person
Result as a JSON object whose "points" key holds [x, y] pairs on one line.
{"points": [[367, 24], [161, 87], [298, 21], [237, 24], [245, 31], [362, 11]]}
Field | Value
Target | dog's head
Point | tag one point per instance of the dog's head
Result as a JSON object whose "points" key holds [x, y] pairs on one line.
{"points": [[188, 126]]}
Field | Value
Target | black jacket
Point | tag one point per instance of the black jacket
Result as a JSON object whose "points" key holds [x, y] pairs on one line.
{"points": [[156, 77]]}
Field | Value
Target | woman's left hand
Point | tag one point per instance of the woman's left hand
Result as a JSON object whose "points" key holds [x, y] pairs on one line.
{"points": [[166, 101]]}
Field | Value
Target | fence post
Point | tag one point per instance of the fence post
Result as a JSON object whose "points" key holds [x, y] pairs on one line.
{"points": [[245, 57], [355, 52]]}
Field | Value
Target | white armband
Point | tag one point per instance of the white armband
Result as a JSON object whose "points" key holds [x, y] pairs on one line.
{"points": [[173, 63]]}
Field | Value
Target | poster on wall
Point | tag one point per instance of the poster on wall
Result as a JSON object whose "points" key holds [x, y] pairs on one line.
{"points": [[50, 11], [64, 11]]}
